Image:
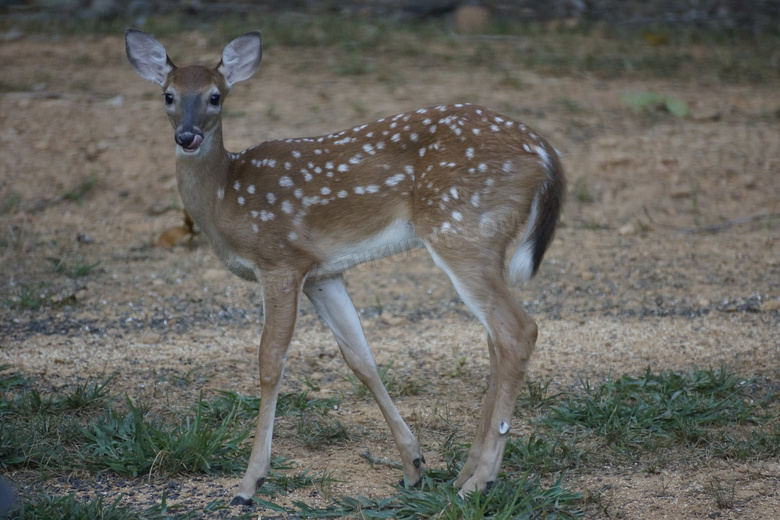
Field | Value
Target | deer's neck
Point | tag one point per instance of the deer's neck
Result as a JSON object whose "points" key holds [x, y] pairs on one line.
{"points": [[200, 176]]}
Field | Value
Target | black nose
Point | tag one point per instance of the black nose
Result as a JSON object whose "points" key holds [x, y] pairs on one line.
{"points": [[185, 139]]}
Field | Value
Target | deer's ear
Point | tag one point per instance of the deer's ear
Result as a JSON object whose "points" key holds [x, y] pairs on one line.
{"points": [[241, 58], [147, 56]]}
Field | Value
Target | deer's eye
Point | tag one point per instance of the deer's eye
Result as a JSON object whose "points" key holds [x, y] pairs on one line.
{"points": [[168, 98], [214, 99]]}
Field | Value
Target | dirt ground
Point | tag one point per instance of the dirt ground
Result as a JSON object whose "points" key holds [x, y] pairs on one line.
{"points": [[634, 278]]}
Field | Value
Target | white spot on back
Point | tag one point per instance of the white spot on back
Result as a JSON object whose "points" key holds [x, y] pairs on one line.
{"points": [[287, 207], [395, 179], [286, 182], [469, 153], [342, 194], [236, 185], [266, 216], [454, 193], [270, 197], [325, 190], [308, 201], [221, 193], [241, 201], [343, 168], [456, 215]]}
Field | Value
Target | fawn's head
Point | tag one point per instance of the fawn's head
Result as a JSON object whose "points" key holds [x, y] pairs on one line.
{"points": [[193, 94]]}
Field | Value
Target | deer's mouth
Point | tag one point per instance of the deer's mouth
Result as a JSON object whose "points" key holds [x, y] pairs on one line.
{"points": [[189, 142]]}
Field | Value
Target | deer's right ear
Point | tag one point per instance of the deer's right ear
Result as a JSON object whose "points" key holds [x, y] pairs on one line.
{"points": [[147, 56]]}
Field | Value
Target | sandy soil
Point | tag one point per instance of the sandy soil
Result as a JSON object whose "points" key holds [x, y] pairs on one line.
{"points": [[633, 280]]}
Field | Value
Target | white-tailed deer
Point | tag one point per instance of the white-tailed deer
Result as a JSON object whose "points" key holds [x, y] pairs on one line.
{"points": [[460, 180]]}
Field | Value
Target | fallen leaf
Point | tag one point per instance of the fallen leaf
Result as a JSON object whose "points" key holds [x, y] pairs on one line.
{"points": [[173, 236]]}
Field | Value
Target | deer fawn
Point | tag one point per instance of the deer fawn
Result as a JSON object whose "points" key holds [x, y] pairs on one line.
{"points": [[462, 181]]}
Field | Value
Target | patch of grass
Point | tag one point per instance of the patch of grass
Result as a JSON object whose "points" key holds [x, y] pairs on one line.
{"points": [[755, 444], [395, 386], [88, 396], [536, 395], [283, 483], [138, 443], [521, 496], [80, 190], [544, 456], [290, 403], [80, 267], [636, 412], [27, 298], [46, 507], [247, 407], [722, 492], [10, 203], [316, 433]]}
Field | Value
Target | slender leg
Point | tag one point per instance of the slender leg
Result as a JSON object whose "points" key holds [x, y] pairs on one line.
{"points": [[511, 339], [332, 302], [281, 311], [476, 446]]}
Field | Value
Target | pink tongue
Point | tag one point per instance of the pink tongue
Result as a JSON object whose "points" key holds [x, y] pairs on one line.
{"points": [[195, 143]]}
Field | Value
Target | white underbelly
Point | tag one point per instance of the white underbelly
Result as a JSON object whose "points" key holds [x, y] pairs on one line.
{"points": [[392, 243]]}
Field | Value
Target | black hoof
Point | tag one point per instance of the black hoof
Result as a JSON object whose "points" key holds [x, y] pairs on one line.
{"points": [[489, 484], [238, 500], [260, 482], [418, 461]]}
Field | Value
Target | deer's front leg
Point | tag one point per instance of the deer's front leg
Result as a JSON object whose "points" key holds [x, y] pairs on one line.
{"points": [[281, 309]]}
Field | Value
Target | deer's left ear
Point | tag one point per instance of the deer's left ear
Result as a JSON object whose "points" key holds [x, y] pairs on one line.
{"points": [[147, 56], [241, 58]]}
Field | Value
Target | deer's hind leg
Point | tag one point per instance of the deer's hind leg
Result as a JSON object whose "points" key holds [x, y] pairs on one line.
{"points": [[477, 273], [334, 305]]}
